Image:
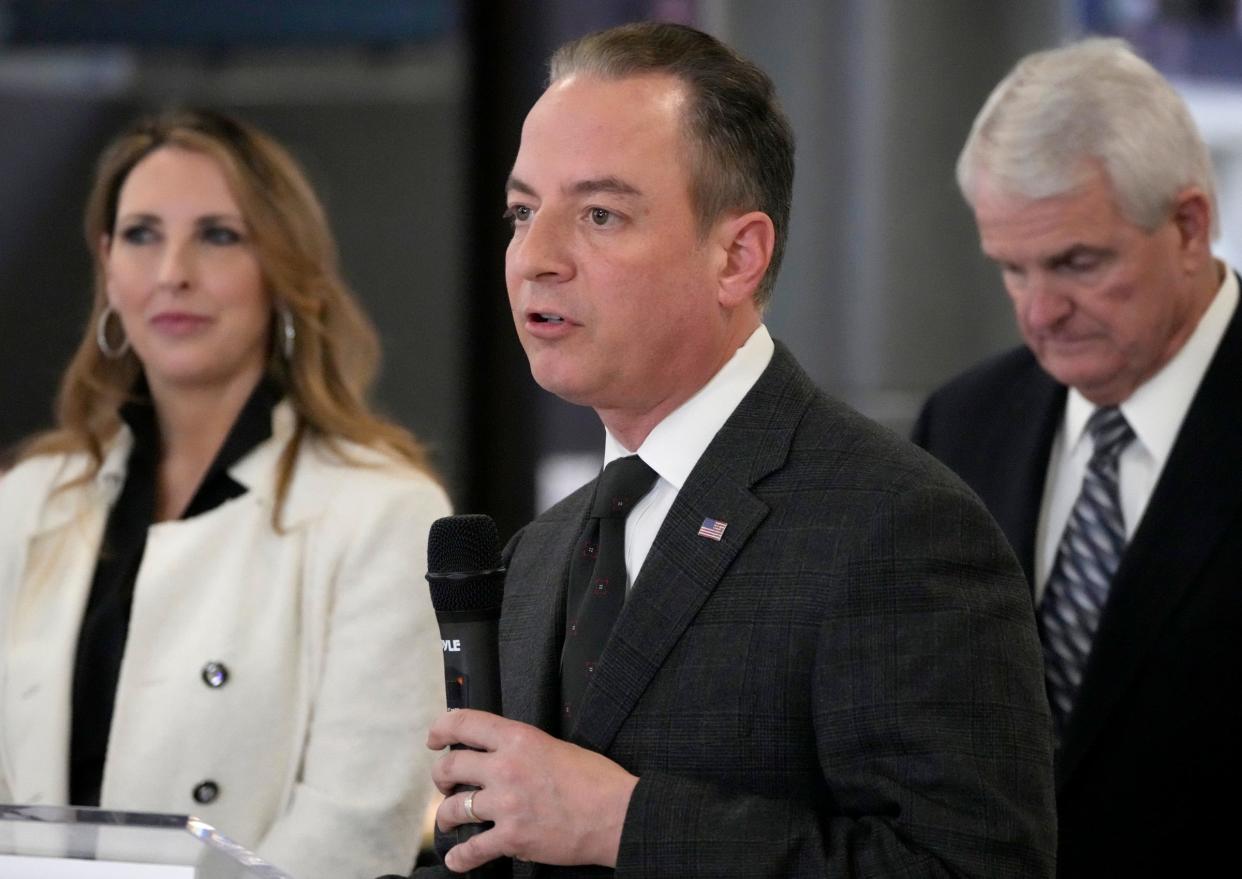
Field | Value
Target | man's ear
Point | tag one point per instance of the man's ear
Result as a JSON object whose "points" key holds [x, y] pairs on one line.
{"points": [[748, 241], [1192, 216]]}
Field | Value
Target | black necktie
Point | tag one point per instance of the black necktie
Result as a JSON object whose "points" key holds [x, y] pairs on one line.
{"points": [[1087, 558], [597, 579]]}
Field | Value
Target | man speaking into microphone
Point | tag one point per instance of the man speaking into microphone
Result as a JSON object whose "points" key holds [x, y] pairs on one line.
{"points": [[771, 639]]}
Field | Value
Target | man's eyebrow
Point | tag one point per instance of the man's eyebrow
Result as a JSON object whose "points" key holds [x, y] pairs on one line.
{"points": [[1077, 249], [612, 185], [513, 184]]}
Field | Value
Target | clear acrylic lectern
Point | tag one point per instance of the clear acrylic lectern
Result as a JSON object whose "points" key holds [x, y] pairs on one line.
{"points": [[55, 842]]}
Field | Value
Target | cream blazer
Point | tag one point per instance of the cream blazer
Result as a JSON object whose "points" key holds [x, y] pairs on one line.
{"points": [[315, 739]]}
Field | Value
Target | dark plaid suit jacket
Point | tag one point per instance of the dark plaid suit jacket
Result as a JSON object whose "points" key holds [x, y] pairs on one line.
{"points": [[1149, 770], [847, 684]]}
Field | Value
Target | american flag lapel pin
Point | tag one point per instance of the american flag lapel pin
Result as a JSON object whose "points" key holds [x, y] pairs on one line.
{"points": [[713, 529]]}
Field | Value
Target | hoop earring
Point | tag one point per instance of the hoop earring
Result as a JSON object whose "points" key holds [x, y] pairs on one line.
{"points": [[101, 336], [287, 331]]}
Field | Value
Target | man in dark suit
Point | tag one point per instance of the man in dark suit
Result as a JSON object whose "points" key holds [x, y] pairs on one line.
{"points": [[1109, 447], [826, 662]]}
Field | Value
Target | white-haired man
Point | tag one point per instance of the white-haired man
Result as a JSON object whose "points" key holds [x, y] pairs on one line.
{"points": [[1108, 447]]}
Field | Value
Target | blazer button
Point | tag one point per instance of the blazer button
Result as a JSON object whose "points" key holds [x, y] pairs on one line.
{"points": [[215, 674], [206, 792]]}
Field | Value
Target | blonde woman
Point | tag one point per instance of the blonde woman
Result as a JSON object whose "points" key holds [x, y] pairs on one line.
{"points": [[211, 595]]}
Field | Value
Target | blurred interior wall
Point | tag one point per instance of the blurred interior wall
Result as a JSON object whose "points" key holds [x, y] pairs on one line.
{"points": [[884, 294]]}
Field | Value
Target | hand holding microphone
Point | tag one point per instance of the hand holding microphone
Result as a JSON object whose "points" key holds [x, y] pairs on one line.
{"points": [[550, 801], [467, 588]]}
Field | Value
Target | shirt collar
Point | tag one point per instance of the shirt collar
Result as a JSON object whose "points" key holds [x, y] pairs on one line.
{"points": [[1157, 407], [675, 445], [254, 425]]}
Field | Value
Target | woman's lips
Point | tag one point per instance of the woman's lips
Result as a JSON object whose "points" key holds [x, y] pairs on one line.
{"points": [[179, 323]]}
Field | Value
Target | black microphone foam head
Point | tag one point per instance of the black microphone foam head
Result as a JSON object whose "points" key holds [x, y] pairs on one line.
{"points": [[463, 564], [463, 545]]}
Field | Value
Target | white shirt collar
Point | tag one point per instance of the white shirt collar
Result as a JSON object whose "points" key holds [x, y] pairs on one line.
{"points": [[1157, 407], [675, 445]]}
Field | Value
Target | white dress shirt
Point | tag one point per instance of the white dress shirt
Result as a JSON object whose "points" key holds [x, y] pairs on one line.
{"points": [[675, 445], [1155, 412]]}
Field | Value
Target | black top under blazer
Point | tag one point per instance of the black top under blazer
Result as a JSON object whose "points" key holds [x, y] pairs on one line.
{"points": [[1149, 771]]}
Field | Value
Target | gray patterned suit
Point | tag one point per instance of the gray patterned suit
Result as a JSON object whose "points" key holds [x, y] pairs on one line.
{"points": [[849, 683]]}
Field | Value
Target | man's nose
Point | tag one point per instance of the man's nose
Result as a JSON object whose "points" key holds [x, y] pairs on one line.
{"points": [[1046, 303], [540, 250]]}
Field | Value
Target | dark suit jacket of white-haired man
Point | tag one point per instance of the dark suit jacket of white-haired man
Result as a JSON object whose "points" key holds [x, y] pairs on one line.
{"points": [[1122, 307]]}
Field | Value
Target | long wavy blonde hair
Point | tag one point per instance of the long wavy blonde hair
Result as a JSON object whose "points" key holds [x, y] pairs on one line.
{"points": [[336, 354]]}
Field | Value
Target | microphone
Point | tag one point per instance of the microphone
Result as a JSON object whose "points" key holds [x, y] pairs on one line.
{"points": [[467, 585]]}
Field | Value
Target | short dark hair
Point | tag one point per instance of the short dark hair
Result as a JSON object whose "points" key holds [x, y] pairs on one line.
{"points": [[742, 142]]}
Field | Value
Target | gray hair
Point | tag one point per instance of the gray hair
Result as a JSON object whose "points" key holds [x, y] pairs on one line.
{"points": [[741, 143], [1058, 110]]}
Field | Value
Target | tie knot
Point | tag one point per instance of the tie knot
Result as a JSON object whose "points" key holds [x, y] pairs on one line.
{"points": [[1110, 432], [623, 484]]}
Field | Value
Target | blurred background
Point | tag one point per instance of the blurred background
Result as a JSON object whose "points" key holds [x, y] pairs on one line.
{"points": [[406, 115]]}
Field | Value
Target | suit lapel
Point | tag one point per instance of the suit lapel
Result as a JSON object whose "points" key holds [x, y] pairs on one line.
{"points": [[679, 574], [1198, 497], [531, 626], [1020, 455], [682, 568]]}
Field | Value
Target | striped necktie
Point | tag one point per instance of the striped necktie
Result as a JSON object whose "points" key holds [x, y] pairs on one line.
{"points": [[1087, 558]]}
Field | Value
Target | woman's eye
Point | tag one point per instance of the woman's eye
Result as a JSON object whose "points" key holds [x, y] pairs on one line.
{"points": [[137, 234], [600, 216], [221, 235]]}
